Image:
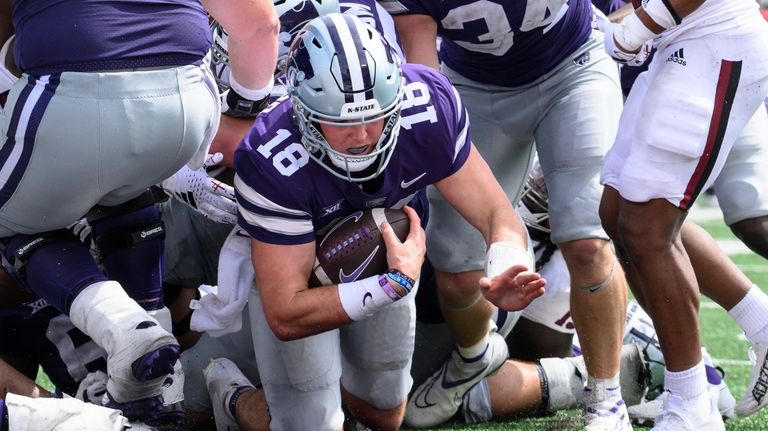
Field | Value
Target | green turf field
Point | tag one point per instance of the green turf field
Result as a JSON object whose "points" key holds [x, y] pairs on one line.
{"points": [[720, 335]]}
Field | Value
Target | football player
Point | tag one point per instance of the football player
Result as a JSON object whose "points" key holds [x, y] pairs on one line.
{"points": [[529, 72], [112, 82], [357, 130], [679, 123]]}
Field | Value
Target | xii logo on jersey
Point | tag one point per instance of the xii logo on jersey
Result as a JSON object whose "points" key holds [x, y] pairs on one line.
{"points": [[677, 57], [332, 208]]}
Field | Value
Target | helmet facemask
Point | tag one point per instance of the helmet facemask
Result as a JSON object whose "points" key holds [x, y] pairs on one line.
{"points": [[341, 72]]}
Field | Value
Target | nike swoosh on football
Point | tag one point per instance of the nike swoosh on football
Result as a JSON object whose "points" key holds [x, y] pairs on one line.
{"points": [[405, 184], [344, 278]]}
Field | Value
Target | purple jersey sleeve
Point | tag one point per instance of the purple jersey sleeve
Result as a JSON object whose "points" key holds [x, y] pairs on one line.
{"points": [[506, 42], [284, 196]]}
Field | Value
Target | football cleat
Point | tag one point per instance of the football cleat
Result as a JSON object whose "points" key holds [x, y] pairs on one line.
{"points": [[756, 395], [440, 396], [646, 412], [673, 416], [140, 353], [222, 377]]}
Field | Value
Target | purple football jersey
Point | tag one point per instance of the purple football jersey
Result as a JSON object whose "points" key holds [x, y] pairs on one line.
{"points": [[38, 333], [506, 42], [55, 36], [284, 197]]}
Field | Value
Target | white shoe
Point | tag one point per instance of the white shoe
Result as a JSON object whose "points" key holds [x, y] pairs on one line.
{"points": [[756, 395], [140, 352], [673, 417], [726, 403], [222, 377], [438, 398], [602, 413], [646, 412]]}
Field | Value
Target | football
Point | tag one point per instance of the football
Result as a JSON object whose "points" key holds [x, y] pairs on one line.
{"points": [[353, 248]]}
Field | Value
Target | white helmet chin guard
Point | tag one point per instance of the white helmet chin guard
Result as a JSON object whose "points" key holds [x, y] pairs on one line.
{"points": [[342, 72]]}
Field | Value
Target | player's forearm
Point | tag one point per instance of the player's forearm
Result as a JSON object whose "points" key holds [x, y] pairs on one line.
{"points": [[307, 312], [418, 34], [252, 27]]}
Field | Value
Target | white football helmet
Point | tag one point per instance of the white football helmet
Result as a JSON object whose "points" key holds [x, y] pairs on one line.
{"points": [[342, 72], [639, 329]]}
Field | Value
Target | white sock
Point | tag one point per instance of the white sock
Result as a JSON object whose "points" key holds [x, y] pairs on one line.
{"points": [[473, 351], [602, 390], [751, 314], [690, 385]]}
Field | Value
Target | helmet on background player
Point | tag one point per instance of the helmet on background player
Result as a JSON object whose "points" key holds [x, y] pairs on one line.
{"points": [[293, 15], [342, 72], [533, 205]]}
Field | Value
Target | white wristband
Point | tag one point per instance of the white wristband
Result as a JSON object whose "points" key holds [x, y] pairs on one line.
{"points": [[248, 93], [502, 255], [362, 298], [661, 12], [631, 34], [7, 79]]}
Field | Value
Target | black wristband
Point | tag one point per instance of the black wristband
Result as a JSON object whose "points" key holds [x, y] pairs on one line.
{"points": [[237, 106]]}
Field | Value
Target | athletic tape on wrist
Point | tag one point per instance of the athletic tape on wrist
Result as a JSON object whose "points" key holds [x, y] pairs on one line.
{"points": [[362, 298], [662, 12], [631, 34], [249, 93], [7, 79], [501, 255]]}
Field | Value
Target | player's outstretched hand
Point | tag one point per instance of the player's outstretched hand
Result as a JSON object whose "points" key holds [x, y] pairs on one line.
{"points": [[513, 289], [211, 198], [406, 256]]}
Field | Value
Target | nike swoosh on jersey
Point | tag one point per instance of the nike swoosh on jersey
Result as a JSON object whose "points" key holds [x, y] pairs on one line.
{"points": [[344, 278], [405, 184]]}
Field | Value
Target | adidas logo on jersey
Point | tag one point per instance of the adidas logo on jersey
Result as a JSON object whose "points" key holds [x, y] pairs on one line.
{"points": [[677, 57]]}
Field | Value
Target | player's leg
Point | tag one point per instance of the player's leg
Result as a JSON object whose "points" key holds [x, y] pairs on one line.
{"points": [[457, 250], [652, 190], [742, 186], [721, 280], [376, 363], [587, 99], [300, 378]]}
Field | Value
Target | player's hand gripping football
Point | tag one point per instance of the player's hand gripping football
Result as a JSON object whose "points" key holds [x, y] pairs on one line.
{"points": [[513, 289], [407, 256], [211, 198]]}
